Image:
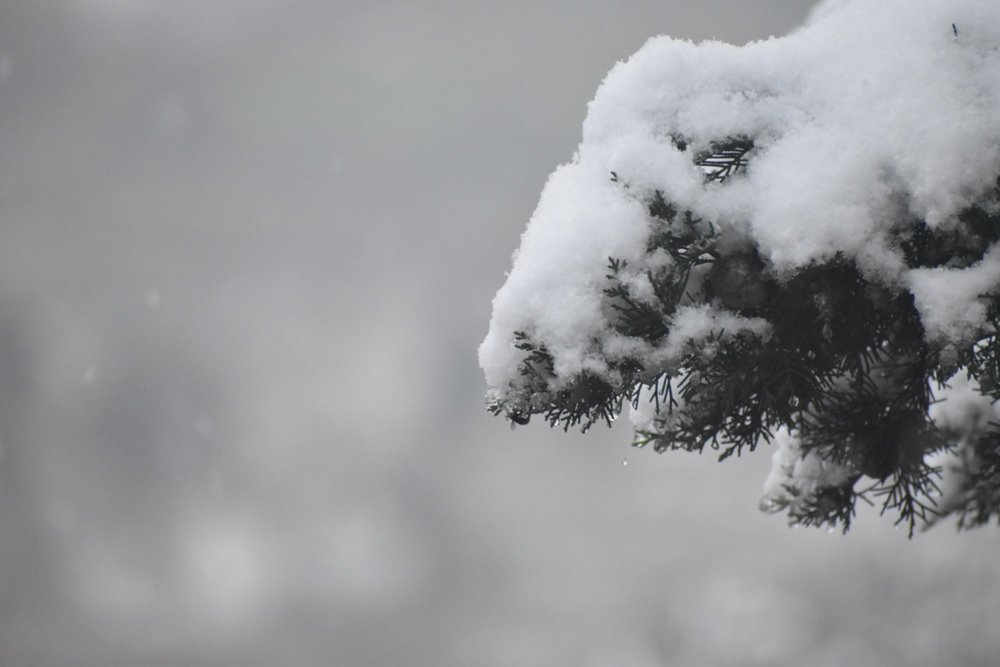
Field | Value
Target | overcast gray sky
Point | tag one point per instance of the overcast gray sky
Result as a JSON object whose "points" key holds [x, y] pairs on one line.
{"points": [[247, 253]]}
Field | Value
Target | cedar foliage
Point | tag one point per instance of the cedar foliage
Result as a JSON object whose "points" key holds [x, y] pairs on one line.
{"points": [[846, 365]]}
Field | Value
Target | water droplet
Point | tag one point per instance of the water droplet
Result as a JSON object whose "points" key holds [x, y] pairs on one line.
{"points": [[624, 462], [831, 530], [794, 401], [811, 354], [885, 344]]}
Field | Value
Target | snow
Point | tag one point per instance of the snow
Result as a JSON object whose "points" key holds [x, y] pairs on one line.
{"points": [[959, 409], [949, 299], [696, 323], [963, 413], [796, 476], [869, 116]]}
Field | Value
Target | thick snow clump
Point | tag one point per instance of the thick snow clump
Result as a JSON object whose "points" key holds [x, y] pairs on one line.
{"points": [[872, 115]]}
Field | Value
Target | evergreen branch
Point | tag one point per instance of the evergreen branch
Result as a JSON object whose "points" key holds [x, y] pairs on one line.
{"points": [[725, 158], [911, 493], [828, 506], [845, 362]]}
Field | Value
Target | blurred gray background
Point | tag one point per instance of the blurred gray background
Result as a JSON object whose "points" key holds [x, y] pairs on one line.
{"points": [[248, 251]]}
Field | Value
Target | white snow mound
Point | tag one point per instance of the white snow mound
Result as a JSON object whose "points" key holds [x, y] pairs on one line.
{"points": [[872, 113]]}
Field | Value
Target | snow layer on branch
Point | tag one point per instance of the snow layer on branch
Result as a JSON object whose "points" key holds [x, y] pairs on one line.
{"points": [[962, 412], [555, 288], [949, 299], [797, 476], [959, 409], [873, 115]]}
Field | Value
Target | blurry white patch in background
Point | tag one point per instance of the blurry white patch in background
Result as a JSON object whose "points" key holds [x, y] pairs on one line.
{"points": [[228, 569], [746, 620], [373, 557]]}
